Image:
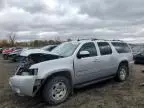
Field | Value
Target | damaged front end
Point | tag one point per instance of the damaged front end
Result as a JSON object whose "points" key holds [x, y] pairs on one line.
{"points": [[25, 81], [27, 62]]}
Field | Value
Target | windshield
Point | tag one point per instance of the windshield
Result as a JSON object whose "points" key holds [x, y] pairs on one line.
{"points": [[48, 48], [45, 47], [65, 49]]}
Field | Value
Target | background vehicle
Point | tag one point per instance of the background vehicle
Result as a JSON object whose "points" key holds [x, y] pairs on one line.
{"points": [[25, 53], [72, 65], [6, 52], [139, 58], [15, 54], [1, 49]]}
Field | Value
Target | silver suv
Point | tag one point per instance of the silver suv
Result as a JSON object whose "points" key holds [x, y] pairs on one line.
{"points": [[71, 65]]}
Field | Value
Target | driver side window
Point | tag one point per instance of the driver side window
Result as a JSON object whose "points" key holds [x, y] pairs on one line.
{"points": [[90, 47]]}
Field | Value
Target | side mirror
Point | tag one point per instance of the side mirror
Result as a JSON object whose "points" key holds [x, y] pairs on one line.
{"points": [[83, 54]]}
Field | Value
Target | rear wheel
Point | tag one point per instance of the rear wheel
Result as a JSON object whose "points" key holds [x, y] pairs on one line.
{"points": [[122, 73], [57, 90]]}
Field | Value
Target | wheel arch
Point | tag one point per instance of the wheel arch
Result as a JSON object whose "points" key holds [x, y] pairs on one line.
{"points": [[124, 62], [66, 74]]}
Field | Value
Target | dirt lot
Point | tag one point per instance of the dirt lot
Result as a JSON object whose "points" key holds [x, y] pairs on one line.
{"points": [[108, 94]]}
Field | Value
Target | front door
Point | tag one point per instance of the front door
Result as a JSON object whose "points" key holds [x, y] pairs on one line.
{"points": [[86, 68]]}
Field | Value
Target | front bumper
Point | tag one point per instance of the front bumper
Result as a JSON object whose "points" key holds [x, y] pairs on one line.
{"points": [[23, 85], [13, 57]]}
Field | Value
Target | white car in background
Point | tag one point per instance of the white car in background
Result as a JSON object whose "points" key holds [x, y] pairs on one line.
{"points": [[44, 50]]}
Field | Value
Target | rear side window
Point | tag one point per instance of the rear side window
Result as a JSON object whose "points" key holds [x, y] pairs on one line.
{"points": [[105, 48], [121, 47]]}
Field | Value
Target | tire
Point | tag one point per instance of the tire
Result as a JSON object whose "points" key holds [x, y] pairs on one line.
{"points": [[14, 60], [5, 57], [56, 90], [122, 73]]}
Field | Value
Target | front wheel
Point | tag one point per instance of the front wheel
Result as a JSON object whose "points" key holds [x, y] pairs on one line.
{"points": [[5, 57], [57, 90], [122, 73]]}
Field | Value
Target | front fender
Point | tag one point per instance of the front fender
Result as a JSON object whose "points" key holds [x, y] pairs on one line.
{"points": [[46, 74], [48, 68]]}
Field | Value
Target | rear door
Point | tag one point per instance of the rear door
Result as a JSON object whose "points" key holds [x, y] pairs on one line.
{"points": [[107, 60], [123, 50]]}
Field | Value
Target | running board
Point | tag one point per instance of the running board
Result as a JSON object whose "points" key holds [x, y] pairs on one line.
{"points": [[92, 82]]}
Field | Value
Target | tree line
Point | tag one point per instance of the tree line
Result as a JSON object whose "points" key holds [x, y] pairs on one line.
{"points": [[34, 43], [11, 41]]}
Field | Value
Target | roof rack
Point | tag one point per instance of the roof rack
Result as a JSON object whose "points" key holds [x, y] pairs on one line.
{"points": [[82, 39], [116, 40], [94, 39]]}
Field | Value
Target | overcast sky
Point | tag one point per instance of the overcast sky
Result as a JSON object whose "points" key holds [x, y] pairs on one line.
{"points": [[52, 19]]}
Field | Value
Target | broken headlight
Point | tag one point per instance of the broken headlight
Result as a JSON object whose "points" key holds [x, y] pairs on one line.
{"points": [[33, 71], [29, 72]]}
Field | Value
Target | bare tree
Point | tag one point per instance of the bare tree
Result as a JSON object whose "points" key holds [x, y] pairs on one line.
{"points": [[12, 38]]}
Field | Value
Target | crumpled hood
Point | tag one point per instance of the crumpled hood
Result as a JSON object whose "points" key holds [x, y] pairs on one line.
{"points": [[47, 67], [33, 51], [32, 57]]}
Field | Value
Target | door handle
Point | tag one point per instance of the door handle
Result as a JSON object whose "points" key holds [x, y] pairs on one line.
{"points": [[96, 60]]}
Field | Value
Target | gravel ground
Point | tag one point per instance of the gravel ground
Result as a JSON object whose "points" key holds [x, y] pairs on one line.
{"points": [[108, 94]]}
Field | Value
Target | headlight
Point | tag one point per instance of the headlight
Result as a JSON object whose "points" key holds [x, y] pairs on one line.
{"points": [[25, 74], [30, 72], [33, 71]]}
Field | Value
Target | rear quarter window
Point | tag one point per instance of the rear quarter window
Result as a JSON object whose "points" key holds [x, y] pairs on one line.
{"points": [[121, 47]]}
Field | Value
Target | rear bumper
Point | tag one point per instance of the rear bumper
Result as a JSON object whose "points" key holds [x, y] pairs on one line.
{"points": [[23, 85]]}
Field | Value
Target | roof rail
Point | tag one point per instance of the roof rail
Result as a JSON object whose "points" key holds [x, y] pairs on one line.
{"points": [[94, 39], [116, 40], [82, 39]]}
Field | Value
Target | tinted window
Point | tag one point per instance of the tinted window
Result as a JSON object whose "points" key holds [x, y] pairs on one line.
{"points": [[90, 47], [105, 48], [121, 47]]}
